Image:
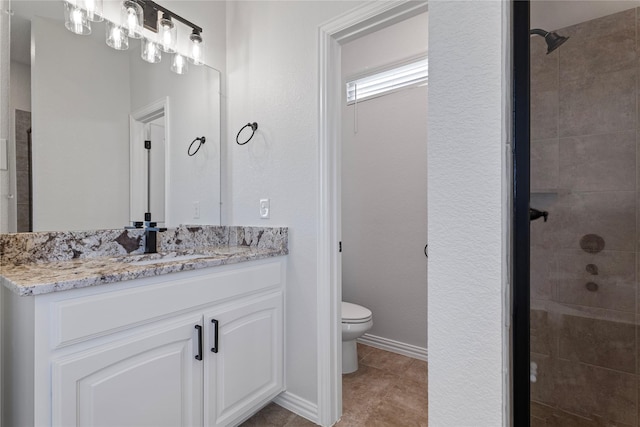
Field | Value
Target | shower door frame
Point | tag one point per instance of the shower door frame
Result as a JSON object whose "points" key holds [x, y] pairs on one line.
{"points": [[520, 357]]}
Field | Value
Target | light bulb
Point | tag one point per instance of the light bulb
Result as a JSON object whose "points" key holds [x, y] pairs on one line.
{"points": [[179, 64], [132, 20], [150, 51], [168, 37], [197, 44], [75, 19], [116, 37], [131, 16], [94, 10]]}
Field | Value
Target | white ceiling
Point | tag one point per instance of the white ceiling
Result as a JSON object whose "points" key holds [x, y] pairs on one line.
{"points": [[554, 14]]}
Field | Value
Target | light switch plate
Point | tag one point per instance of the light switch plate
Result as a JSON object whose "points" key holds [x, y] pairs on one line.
{"points": [[3, 154]]}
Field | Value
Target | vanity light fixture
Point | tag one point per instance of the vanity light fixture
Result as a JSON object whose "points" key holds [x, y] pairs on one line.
{"points": [[135, 17]]}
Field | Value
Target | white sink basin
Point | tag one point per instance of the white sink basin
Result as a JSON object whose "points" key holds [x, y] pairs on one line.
{"points": [[170, 258]]}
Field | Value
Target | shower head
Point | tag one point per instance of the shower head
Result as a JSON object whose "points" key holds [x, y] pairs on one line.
{"points": [[553, 39]]}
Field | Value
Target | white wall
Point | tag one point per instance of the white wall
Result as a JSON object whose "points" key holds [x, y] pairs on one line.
{"points": [[20, 86], [465, 164], [20, 100], [96, 145], [384, 189], [272, 70]]}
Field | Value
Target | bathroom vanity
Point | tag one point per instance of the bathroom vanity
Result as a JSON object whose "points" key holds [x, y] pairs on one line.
{"points": [[185, 338]]}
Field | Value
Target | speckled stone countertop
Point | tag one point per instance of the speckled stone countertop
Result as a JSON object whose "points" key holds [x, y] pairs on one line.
{"points": [[40, 263]]}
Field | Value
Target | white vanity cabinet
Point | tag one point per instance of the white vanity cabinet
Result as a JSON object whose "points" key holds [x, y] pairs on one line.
{"points": [[151, 379], [245, 364], [198, 348]]}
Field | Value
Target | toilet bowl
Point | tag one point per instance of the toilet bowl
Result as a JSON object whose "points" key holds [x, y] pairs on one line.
{"points": [[356, 320]]}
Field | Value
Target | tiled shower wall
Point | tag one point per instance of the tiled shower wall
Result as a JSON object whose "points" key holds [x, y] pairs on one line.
{"points": [[584, 260]]}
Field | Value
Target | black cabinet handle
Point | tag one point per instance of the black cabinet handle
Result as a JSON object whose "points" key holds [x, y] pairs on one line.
{"points": [[199, 355], [214, 349]]}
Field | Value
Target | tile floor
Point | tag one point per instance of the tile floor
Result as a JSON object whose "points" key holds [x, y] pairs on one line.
{"points": [[387, 390]]}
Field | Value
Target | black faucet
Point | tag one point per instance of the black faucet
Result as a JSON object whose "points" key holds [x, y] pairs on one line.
{"points": [[150, 234], [535, 214]]}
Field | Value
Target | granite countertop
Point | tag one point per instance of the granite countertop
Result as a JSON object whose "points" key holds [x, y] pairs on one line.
{"points": [[46, 277], [35, 274]]}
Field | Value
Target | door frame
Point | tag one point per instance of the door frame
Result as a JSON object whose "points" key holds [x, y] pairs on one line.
{"points": [[356, 23], [139, 174], [520, 303]]}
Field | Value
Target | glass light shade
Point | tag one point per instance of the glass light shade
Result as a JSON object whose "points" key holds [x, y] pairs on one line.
{"points": [[179, 65], [197, 49], [167, 35], [132, 18], [151, 51], [94, 10], [116, 36], [75, 19]]}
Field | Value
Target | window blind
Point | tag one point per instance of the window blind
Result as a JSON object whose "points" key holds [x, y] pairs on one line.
{"points": [[407, 75]]}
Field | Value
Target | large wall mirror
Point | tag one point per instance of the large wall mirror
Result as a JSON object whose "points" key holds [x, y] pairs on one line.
{"points": [[81, 112]]}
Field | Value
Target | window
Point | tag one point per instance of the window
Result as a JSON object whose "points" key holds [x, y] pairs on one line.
{"points": [[407, 75]]}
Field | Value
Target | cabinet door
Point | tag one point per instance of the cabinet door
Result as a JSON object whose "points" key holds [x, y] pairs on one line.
{"points": [[149, 379], [247, 370]]}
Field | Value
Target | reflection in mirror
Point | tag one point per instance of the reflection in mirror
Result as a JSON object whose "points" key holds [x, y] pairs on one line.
{"points": [[82, 100]]}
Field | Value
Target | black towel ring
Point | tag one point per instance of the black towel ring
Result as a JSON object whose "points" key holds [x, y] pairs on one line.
{"points": [[201, 139], [253, 126]]}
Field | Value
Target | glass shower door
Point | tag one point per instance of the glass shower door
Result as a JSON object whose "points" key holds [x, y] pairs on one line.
{"points": [[584, 311]]}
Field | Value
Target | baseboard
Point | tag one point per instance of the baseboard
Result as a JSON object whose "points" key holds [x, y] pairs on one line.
{"points": [[298, 405], [408, 350]]}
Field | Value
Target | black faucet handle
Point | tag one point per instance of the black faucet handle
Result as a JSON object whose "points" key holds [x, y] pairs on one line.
{"points": [[134, 224]]}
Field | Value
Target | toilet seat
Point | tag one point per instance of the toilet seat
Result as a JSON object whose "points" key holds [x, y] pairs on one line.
{"points": [[354, 313]]}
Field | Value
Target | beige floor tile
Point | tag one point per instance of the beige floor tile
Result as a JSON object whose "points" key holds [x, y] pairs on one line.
{"points": [[388, 390], [298, 421], [409, 395], [364, 388], [353, 420], [271, 415], [388, 414], [386, 360], [416, 371], [363, 350]]}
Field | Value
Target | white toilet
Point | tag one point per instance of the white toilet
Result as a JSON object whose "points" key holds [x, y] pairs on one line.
{"points": [[356, 320]]}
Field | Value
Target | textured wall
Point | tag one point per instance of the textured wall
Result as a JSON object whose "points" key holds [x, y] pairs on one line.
{"points": [[584, 122], [273, 80], [465, 170], [384, 189]]}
